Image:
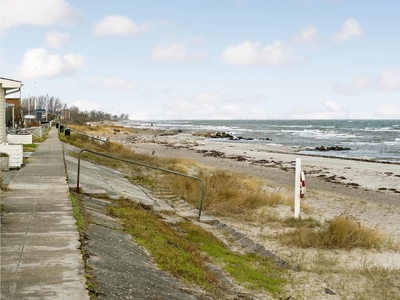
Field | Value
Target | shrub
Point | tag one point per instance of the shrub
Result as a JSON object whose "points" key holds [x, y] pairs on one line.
{"points": [[343, 231]]}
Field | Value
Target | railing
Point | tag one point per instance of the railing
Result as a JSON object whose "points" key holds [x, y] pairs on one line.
{"points": [[34, 131], [142, 165]]}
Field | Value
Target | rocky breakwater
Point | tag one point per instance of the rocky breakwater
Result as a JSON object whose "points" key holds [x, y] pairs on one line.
{"points": [[224, 135], [333, 148], [214, 135]]}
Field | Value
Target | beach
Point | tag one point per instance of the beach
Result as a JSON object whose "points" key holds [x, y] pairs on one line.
{"points": [[262, 159], [365, 190], [372, 184]]}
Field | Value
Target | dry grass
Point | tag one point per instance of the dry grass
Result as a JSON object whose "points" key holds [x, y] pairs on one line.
{"points": [[343, 231], [3, 187], [366, 281], [99, 129], [324, 246], [226, 193]]}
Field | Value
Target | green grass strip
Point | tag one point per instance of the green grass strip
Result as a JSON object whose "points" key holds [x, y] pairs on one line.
{"points": [[30, 147], [171, 250], [76, 210], [248, 269]]}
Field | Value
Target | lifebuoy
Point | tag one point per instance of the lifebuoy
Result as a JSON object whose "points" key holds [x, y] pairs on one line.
{"points": [[302, 184]]}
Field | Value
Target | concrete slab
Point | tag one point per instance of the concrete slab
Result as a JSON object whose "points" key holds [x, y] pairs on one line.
{"points": [[95, 176], [39, 239], [98, 193], [187, 214], [208, 220]]}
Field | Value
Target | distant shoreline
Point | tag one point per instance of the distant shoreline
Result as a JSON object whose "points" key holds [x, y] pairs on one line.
{"points": [[359, 178], [251, 139], [277, 148]]}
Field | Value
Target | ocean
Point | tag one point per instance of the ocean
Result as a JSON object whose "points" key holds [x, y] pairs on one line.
{"points": [[376, 140]]}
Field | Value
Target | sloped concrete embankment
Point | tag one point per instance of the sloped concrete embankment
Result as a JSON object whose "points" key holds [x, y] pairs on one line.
{"points": [[118, 265]]}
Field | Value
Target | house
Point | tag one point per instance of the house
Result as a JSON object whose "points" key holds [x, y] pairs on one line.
{"points": [[65, 114], [7, 87], [40, 114], [13, 107], [15, 152]]}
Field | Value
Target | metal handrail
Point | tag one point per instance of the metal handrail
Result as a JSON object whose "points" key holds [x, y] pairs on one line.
{"points": [[88, 136], [142, 165]]}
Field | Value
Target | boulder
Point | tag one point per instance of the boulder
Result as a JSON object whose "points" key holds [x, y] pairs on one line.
{"points": [[333, 148]]}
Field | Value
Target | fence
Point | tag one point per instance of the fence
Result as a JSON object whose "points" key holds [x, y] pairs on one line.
{"points": [[34, 131], [15, 152], [19, 139]]}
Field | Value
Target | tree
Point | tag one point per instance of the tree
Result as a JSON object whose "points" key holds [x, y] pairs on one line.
{"points": [[54, 106], [74, 113]]}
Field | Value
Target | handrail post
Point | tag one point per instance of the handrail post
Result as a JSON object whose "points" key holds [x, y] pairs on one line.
{"points": [[79, 168], [202, 196]]}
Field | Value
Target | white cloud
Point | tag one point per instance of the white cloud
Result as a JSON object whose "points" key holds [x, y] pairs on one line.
{"points": [[386, 81], [57, 39], [37, 13], [198, 40], [213, 105], [39, 63], [327, 110], [175, 52], [308, 36], [139, 115], [389, 80], [387, 111], [148, 93], [87, 106], [109, 84], [168, 90], [350, 28], [359, 84], [118, 25], [249, 53]]}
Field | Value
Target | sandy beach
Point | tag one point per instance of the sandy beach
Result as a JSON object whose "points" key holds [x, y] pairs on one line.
{"points": [[369, 191], [357, 174], [370, 183]]}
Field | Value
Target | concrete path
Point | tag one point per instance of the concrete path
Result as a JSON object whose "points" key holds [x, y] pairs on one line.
{"points": [[40, 258]]}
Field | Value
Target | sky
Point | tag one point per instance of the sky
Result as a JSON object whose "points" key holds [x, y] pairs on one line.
{"points": [[208, 59]]}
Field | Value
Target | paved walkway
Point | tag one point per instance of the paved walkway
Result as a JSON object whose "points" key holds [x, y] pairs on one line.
{"points": [[40, 258]]}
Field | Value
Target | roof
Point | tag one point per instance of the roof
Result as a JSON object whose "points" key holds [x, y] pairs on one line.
{"points": [[7, 83]]}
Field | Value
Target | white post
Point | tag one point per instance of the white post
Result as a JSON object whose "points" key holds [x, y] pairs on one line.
{"points": [[47, 106], [297, 189], [34, 104], [13, 123]]}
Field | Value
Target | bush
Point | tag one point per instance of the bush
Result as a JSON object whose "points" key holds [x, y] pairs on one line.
{"points": [[343, 231]]}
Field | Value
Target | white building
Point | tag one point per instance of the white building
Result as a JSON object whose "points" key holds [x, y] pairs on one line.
{"points": [[15, 152], [7, 87]]}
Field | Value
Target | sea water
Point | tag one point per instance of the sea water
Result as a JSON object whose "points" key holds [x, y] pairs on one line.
{"points": [[377, 140]]}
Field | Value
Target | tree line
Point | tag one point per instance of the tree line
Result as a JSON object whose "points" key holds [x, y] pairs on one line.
{"points": [[54, 106]]}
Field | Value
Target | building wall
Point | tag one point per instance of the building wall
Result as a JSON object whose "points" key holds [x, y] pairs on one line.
{"points": [[17, 109], [2, 114]]}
